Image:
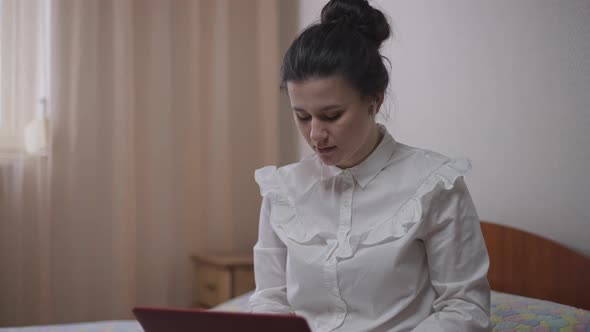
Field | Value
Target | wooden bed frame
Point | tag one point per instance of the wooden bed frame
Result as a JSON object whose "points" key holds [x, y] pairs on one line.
{"points": [[525, 264]]}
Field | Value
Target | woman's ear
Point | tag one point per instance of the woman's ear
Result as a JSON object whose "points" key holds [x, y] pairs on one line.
{"points": [[376, 103], [374, 109]]}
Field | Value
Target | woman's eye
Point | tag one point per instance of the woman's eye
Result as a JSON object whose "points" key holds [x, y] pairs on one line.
{"points": [[332, 117], [326, 117]]}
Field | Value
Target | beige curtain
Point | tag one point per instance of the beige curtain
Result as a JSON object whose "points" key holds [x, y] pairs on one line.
{"points": [[160, 112]]}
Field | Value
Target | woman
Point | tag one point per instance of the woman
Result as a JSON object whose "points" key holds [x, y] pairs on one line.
{"points": [[366, 234]]}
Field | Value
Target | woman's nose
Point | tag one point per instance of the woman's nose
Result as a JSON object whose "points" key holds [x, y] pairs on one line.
{"points": [[318, 132]]}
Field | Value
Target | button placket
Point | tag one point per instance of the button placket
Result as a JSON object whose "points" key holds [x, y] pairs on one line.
{"points": [[331, 267], [346, 204]]}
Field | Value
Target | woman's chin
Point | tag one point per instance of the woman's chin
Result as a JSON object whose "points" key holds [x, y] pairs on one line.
{"points": [[327, 160]]}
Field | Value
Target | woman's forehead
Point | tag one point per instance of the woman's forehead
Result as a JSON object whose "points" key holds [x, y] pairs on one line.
{"points": [[330, 90]]}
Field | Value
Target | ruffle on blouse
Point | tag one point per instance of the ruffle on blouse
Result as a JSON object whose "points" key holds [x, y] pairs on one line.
{"points": [[284, 216], [268, 181], [285, 219], [409, 213]]}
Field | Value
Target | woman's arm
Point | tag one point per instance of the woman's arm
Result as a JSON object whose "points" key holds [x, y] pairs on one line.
{"points": [[270, 255], [458, 263]]}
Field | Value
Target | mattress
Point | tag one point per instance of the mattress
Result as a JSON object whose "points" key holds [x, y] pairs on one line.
{"points": [[508, 313]]}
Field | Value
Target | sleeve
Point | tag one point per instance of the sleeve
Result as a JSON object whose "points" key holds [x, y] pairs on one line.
{"points": [[458, 263], [270, 255]]}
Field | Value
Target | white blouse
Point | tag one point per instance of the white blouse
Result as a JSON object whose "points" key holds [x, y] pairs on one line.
{"points": [[392, 244]]}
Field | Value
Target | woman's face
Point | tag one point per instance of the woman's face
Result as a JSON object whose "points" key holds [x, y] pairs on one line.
{"points": [[335, 120]]}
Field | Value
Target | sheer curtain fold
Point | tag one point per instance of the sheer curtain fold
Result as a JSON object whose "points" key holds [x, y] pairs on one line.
{"points": [[160, 111]]}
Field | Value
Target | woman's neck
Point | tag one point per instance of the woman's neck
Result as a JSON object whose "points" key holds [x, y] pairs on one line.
{"points": [[372, 143]]}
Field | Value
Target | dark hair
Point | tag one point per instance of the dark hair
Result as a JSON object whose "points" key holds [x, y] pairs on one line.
{"points": [[346, 42]]}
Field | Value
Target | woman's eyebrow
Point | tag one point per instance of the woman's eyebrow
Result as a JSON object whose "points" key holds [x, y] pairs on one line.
{"points": [[323, 109]]}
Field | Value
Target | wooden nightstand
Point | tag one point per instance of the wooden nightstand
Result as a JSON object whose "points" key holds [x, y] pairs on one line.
{"points": [[220, 277]]}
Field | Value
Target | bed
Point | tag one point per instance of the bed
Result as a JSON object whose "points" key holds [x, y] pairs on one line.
{"points": [[538, 285]]}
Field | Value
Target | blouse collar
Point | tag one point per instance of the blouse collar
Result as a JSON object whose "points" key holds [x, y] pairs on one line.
{"points": [[369, 168]]}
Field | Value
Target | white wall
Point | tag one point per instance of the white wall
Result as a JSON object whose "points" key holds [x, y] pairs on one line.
{"points": [[507, 84]]}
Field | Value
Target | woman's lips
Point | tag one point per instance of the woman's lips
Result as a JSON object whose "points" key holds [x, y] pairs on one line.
{"points": [[326, 150]]}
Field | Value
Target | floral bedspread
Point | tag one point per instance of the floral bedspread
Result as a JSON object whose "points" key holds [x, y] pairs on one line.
{"points": [[517, 313]]}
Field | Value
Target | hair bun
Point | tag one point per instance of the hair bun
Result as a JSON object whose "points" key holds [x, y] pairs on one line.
{"points": [[360, 15]]}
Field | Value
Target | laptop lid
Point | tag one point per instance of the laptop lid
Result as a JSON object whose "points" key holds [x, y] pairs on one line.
{"points": [[196, 320]]}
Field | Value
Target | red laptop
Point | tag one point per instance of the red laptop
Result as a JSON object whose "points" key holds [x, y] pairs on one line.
{"points": [[195, 320]]}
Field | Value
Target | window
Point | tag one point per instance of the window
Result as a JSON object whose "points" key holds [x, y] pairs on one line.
{"points": [[24, 62], [7, 120]]}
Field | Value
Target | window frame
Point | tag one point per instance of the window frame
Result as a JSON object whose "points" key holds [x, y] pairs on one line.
{"points": [[13, 120], [8, 124]]}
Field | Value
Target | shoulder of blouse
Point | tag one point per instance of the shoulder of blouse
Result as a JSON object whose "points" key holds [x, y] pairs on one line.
{"points": [[289, 181]]}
